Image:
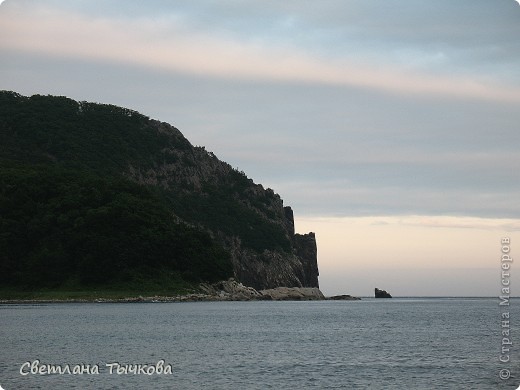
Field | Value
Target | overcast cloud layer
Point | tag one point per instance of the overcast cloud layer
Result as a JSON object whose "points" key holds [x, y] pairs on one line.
{"points": [[345, 108]]}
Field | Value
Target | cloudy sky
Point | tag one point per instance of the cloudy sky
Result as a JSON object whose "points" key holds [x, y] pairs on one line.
{"points": [[391, 127]]}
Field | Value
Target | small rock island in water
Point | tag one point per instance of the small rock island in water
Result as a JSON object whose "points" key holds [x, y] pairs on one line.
{"points": [[382, 293]]}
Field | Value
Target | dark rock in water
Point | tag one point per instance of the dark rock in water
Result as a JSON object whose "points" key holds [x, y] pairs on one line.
{"points": [[343, 298], [382, 293]]}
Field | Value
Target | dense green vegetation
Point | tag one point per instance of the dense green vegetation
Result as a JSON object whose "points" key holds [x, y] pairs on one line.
{"points": [[64, 227], [84, 135], [72, 218], [217, 209]]}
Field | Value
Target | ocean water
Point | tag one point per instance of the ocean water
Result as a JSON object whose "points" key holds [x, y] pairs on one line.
{"points": [[407, 343]]}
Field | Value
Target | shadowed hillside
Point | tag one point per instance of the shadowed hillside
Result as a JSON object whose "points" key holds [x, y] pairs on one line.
{"points": [[99, 195]]}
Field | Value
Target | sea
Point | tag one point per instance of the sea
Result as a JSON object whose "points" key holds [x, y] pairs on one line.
{"points": [[398, 343]]}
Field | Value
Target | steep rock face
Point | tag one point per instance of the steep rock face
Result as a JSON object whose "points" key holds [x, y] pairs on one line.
{"points": [[271, 268], [307, 252], [289, 220], [292, 262], [268, 269]]}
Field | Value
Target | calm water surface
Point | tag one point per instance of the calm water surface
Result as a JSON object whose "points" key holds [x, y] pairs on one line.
{"points": [[370, 344]]}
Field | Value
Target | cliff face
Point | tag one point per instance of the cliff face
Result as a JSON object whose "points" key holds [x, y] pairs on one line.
{"points": [[200, 192], [307, 252], [271, 269], [265, 251]]}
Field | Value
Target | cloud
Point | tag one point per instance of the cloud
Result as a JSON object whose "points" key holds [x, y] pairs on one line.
{"points": [[502, 224], [351, 196], [315, 128], [165, 44]]}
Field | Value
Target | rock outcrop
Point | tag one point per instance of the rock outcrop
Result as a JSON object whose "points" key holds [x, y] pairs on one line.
{"points": [[307, 252], [269, 269], [231, 290], [381, 293]]}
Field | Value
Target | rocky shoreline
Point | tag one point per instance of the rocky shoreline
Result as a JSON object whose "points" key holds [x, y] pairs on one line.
{"points": [[229, 290]]}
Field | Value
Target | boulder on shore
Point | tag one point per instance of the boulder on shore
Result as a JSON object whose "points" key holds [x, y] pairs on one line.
{"points": [[293, 294], [231, 290]]}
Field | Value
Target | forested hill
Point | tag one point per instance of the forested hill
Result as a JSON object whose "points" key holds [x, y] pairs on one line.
{"points": [[98, 195]]}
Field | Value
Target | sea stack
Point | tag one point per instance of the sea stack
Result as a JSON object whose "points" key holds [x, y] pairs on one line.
{"points": [[382, 293]]}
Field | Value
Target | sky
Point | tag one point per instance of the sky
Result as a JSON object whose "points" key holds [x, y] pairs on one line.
{"points": [[390, 127]]}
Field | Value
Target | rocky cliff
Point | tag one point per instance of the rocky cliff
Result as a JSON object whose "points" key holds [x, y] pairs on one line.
{"points": [[265, 250], [194, 211]]}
